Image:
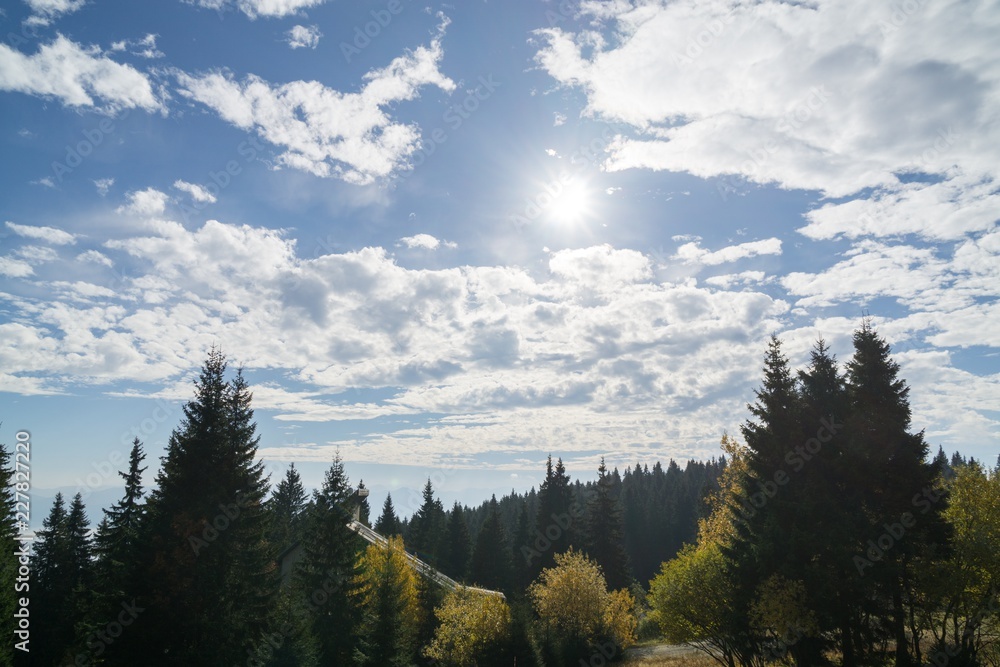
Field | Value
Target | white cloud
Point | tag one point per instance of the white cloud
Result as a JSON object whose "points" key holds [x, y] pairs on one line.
{"points": [[326, 132], [15, 268], [46, 181], [426, 241], [83, 75], [47, 234], [96, 257], [803, 96], [46, 11], [103, 185], [255, 8], [597, 346], [197, 192], [144, 48], [730, 280], [147, 203], [303, 37], [692, 253]]}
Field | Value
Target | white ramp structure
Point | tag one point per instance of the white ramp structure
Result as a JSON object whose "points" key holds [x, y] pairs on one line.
{"points": [[420, 566]]}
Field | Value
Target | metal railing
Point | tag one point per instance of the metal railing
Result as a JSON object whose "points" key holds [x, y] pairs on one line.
{"points": [[420, 566]]}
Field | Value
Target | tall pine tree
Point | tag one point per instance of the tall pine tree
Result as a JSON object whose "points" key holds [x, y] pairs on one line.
{"points": [[387, 523], [63, 572], [9, 559], [458, 545], [605, 532], [555, 520], [491, 567], [324, 574], [891, 470], [286, 507], [119, 550], [213, 578]]}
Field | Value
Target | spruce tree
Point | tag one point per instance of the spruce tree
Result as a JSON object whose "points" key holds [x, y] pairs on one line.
{"points": [[458, 544], [212, 573], [9, 559], [63, 572], [521, 549], [118, 548], [286, 508], [891, 471], [554, 516], [387, 523], [766, 515], [324, 574], [605, 534], [491, 567], [427, 527]]}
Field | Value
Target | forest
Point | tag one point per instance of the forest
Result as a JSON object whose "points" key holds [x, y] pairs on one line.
{"points": [[824, 534]]}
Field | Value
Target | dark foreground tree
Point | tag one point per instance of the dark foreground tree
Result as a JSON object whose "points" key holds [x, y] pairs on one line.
{"points": [[605, 532], [324, 576], [212, 574], [387, 523], [63, 572]]}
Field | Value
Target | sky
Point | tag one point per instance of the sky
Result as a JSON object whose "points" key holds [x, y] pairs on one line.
{"points": [[448, 240]]}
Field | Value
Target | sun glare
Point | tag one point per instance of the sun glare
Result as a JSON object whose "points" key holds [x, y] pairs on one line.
{"points": [[571, 203]]}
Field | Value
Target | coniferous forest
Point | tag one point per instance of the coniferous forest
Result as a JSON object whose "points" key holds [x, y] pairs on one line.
{"points": [[826, 533]]}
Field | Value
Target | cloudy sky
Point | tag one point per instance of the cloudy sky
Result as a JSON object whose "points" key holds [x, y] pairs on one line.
{"points": [[449, 239]]}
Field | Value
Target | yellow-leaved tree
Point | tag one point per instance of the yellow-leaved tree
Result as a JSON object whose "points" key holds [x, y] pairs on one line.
{"points": [[962, 612], [577, 615], [386, 593], [474, 629], [693, 596]]}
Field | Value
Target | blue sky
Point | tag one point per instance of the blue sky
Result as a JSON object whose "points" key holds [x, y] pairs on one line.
{"points": [[448, 240]]}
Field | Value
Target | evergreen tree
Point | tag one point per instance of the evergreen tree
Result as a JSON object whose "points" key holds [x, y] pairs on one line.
{"points": [[286, 507], [212, 575], [427, 528], [767, 516], [9, 559], [491, 566], [520, 550], [891, 469], [387, 588], [387, 523], [459, 545], [605, 534], [554, 515], [324, 574], [62, 569], [119, 550]]}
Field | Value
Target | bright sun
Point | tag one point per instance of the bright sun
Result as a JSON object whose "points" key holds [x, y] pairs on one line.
{"points": [[571, 203]]}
